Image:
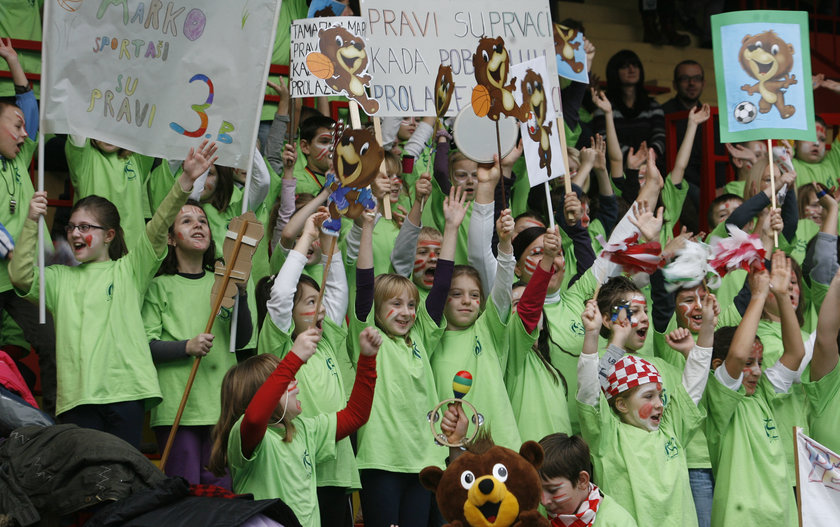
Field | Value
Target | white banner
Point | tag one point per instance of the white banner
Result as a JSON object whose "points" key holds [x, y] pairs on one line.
{"points": [[540, 138], [408, 41], [156, 77], [819, 483]]}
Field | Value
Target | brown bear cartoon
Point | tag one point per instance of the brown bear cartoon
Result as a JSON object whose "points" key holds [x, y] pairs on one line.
{"points": [[350, 60], [356, 161], [768, 59], [565, 48], [444, 88], [534, 102], [491, 63], [489, 486]]}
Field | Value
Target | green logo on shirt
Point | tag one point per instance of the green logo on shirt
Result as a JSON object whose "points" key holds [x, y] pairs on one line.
{"points": [[307, 463], [129, 172], [331, 366], [577, 328], [770, 428], [109, 294], [477, 349], [672, 448], [416, 351], [225, 313]]}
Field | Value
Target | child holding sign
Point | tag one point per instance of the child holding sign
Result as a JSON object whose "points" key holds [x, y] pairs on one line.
{"points": [[106, 375]]}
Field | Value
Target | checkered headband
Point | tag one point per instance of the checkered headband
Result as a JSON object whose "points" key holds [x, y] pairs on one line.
{"points": [[629, 372]]}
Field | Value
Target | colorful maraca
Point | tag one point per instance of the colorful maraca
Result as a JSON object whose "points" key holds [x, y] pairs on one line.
{"points": [[461, 384]]}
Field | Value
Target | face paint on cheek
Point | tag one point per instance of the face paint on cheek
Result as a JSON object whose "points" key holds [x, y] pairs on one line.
{"points": [[88, 240], [820, 129], [646, 410], [419, 264], [179, 235], [531, 263], [391, 314]]}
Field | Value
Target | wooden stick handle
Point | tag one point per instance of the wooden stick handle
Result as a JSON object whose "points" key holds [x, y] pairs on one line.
{"points": [[330, 252], [386, 201], [772, 188], [567, 179], [217, 305], [502, 176]]}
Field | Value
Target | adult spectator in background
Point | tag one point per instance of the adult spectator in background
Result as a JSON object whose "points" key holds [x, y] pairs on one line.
{"points": [[638, 118], [688, 84]]}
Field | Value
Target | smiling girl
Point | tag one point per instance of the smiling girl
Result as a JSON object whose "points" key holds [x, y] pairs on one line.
{"points": [[175, 314], [105, 372], [395, 444]]}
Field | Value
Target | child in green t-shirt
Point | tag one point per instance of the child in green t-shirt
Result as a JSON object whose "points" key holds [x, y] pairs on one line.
{"points": [[811, 161], [271, 449], [394, 447], [638, 431], [316, 141], [175, 326], [291, 310], [568, 495], [751, 478], [823, 386], [105, 371]]}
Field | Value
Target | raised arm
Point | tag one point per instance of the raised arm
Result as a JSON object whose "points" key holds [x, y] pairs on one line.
{"points": [[530, 307], [741, 346], [504, 276], [364, 267], [8, 53], [589, 386], [296, 222], [405, 246], [828, 325], [616, 161], [780, 276], [264, 402], [479, 240], [357, 411], [696, 117], [287, 194], [454, 210]]}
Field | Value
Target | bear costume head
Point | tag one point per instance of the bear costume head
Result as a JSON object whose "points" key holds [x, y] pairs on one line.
{"points": [[489, 486], [357, 158], [765, 56]]}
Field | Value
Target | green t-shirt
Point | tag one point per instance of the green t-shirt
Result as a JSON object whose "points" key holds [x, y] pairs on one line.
{"points": [[805, 230], [322, 391], [735, 187], [122, 181], [21, 19], [384, 235], [285, 470], [566, 336], [538, 397], [102, 354], [177, 308], [825, 172], [673, 199], [405, 394], [645, 472], [15, 174], [824, 417], [307, 182], [611, 514], [751, 486], [481, 350]]}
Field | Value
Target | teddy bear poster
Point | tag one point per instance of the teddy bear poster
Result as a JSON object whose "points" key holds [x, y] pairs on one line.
{"points": [[763, 75]]}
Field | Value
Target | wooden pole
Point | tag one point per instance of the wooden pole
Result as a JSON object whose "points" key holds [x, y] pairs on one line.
{"points": [[772, 188], [550, 205], [330, 252], [567, 179], [796, 431], [502, 178], [217, 305], [386, 201]]}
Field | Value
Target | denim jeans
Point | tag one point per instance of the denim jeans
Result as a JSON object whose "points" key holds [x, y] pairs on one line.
{"points": [[702, 489]]}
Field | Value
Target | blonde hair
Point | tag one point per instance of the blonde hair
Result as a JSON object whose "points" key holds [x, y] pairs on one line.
{"points": [[430, 233], [387, 286], [239, 386]]}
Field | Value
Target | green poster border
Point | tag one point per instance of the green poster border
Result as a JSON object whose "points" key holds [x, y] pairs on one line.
{"points": [[785, 17]]}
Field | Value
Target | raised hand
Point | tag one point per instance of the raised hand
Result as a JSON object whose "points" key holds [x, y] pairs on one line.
{"points": [[572, 208], [38, 205], [504, 227], [591, 318], [681, 340], [759, 282], [423, 186], [600, 147], [676, 244], [369, 341], [197, 163], [635, 159], [455, 207], [454, 423], [306, 343], [601, 101], [289, 158], [649, 225], [551, 243], [780, 274], [699, 115]]}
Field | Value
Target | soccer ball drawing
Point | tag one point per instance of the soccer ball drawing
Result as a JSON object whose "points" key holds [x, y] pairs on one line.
{"points": [[745, 112]]}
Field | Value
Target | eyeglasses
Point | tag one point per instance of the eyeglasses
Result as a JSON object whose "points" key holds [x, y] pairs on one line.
{"points": [[689, 78], [84, 228]]}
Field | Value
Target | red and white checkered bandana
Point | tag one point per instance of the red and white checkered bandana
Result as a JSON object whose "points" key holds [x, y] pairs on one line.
{"points": [[630, 371]]}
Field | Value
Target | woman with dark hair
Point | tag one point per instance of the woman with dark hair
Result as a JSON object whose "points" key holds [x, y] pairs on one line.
{"points": [[639, 120]]}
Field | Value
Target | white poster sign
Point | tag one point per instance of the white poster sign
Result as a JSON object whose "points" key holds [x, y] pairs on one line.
{"points": [[156, 77], [408, 41], [540, 138]]}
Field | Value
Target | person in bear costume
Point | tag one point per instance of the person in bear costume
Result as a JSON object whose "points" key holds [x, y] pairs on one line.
{"points": [[489, 486]]}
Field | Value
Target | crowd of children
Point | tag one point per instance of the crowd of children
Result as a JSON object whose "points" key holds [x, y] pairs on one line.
{"points": [[658, 398]]}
